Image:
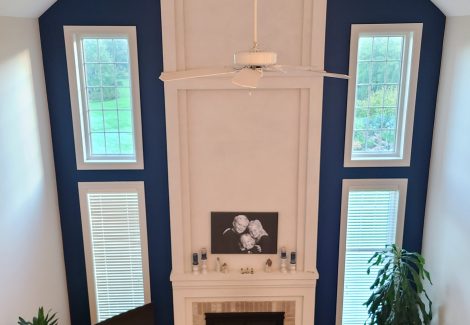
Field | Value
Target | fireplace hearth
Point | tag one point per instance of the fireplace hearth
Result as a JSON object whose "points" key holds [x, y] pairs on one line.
{"points": [[258, 318]]}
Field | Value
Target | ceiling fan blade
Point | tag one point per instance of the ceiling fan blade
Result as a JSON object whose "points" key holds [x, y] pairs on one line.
{"points": [[194, 73], [332, 75], [288, 68], [248, 77]]}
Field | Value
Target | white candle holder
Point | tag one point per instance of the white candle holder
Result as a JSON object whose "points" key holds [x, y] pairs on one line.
{"points": [[292, 268], [204, 266], [283, 265]]}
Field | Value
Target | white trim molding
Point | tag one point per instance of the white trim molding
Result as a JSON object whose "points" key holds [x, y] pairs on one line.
{"points": [[349, 185], [78, 97], [401, 156]]}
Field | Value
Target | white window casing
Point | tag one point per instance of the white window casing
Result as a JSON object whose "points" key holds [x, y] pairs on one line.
{"points": [[116, 141], [375, 139], [372, 216], [115, 245]]}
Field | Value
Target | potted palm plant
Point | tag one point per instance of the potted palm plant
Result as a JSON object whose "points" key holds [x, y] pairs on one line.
{"points": [[398, 296], [41, 319]]}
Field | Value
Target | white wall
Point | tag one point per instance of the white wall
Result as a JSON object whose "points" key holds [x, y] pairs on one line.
{"points": [[447, 226], [32, 272]]}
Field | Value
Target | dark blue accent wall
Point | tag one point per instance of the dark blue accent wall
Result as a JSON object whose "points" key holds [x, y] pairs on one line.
{"points": [[340, 15], [145, 14]]}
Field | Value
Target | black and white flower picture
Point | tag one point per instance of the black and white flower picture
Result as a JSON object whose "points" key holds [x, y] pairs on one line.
{"points": [[244, 232]]}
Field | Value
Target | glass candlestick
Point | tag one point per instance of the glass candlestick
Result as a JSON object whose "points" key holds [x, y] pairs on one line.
{"points": [[293, 262], [204, 261], [195, 263], [283, 260]]}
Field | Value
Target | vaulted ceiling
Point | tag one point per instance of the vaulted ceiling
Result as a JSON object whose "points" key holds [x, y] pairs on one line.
{"points": [[35, 8], [24, 8], [453, 7]]}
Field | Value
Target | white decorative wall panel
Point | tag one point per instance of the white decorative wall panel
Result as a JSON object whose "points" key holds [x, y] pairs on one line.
{"points": [[231, 149]]}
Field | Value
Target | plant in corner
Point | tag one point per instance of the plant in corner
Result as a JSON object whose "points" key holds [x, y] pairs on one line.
{"points": [[41, 319], [398, 296]]}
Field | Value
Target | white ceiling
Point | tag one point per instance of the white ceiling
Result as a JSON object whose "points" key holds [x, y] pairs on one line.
{"points": [[24, 8], [454, 7], [35, 8]]}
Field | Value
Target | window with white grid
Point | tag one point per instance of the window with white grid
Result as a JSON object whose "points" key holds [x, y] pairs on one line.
{"points": [[372, 217], [115, 239], [104, 92], [383, 67]]}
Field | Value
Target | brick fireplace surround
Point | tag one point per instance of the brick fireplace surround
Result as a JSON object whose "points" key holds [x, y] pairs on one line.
{"points": [[201, 308]]}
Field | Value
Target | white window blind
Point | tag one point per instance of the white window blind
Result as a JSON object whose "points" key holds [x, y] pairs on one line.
{"points": [[372, 220], [116, 257]]}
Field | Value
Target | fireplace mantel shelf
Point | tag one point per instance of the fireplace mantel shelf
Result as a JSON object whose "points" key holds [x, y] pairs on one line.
{"points": [[260, 278]]}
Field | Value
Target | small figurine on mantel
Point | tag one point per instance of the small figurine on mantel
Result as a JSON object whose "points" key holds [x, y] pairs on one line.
{"points": [[217, 265], [225, 268], [268, 266]]}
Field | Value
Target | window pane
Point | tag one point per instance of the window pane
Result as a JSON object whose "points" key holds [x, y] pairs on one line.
{"points": [[127, 143], [93, 74], [359, 141], [96, 121], [106, 50], [111, 121], [122, 50], [90, 49], [123, 98], [95, 98], [391, 96], [109, 97], [122, 75], [379, 69], [98, 144], [112, 143], [395, 48], [363, 73], [108, 77], [393, 72], [362, 96], [378, 72], [125, 121], [371, 224], [365, 48], [390, 119]]}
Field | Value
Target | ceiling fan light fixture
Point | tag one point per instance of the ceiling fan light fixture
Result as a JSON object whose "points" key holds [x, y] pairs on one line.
{"points": [[248, 77], [255, 59]]}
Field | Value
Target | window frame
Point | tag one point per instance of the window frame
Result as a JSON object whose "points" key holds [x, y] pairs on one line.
{"points": [[396, 184], [85, 188], [72, 35], [407, 96]]}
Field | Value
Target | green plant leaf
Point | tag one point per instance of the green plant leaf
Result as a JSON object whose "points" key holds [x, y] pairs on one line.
{"points": [[397, 293]]}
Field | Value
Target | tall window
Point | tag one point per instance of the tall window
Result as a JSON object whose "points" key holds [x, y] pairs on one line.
{"points": [[372, 217], [115, 239], [104, 92], [384, 68]]}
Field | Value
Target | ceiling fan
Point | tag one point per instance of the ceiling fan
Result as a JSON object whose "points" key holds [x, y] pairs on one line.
{"points": [[249, 66]]}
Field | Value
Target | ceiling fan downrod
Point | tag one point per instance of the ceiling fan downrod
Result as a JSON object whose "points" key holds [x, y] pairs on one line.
{"points": [[255, 25]]}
